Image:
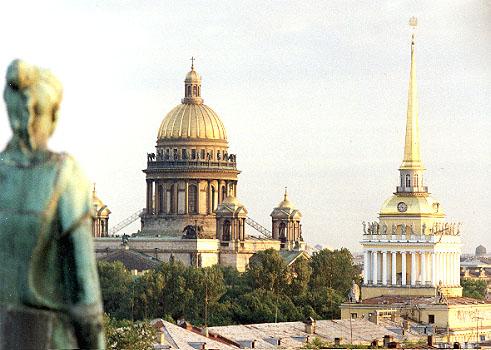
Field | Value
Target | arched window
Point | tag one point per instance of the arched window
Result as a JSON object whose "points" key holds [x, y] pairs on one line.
{"points": [[195, 91], [226, 231], [161, 199], [283, 232], [199, 91], [172, 200], [192, 199], [224, 192], [416, 180], [188, 93], [408, 180], [213, 198], [402, 181]]}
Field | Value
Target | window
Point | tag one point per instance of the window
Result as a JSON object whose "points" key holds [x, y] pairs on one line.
{"points": [[354, 315], [203, 154], [213, 198], [192, 199], [199, 91], [431, 319], [224, 192], [193, 154], [283, 232], [416, 180], [184, 153], [226, 231], [402, 181], [161, 199], [188, 93], [195, 91], [408, 180]]}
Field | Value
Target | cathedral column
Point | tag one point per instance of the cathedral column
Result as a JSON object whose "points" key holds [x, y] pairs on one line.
{"points": [[403, 267], [384, 268], [457, 268], [413, 268], [423, 268], [176, 197], [198, 195], [149, 196], [186, 197], [374, 269], [394, 268], [365, 267]]}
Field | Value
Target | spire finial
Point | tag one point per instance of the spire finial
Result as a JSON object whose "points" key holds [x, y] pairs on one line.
{"points": [[93, 188], [286, 193], [413, 22], [192, 62], [412, 156]]}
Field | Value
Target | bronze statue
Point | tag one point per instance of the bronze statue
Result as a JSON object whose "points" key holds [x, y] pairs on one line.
{"points": [[49, 289]]}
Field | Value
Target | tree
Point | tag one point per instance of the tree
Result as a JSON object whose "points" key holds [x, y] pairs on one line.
{"points": [[473, 288], [128, 335], [116, 284], [268, 271]]}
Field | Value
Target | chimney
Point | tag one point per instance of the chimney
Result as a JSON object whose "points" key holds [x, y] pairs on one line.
{"points": [[430, 340], [310, 325], [387, 340]]}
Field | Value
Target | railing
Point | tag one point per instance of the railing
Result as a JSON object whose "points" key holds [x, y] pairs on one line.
{"points": [[258, 227], [128, 221], [188, 163]]}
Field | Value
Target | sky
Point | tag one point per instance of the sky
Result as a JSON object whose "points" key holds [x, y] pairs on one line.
{"points": [[313, 95]]}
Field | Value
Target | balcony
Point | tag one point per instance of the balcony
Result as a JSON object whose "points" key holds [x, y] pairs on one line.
{"points": [[183, 164]]}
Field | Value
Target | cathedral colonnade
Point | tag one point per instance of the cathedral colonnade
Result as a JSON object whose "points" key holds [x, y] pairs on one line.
{"points": [[385, 267], [187, 196]]}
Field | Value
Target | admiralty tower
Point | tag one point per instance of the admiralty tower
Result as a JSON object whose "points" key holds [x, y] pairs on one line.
{"points": [[191, 171]]}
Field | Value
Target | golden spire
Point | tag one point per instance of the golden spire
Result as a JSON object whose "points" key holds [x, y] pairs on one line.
{"points": [[192, 62], [412, 155], [285, 198]]}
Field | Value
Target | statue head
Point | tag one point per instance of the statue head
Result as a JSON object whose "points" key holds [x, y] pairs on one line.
{"points": [[32, 96]]}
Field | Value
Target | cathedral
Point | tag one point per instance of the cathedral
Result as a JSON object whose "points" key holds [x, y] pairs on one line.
{"points": [[192, 212], [412, 255]]}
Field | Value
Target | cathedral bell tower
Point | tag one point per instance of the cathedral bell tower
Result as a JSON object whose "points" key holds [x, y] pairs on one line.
{"points": [[286, 224], [411, 249]]}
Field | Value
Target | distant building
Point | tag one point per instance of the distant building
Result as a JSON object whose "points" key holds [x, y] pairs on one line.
{"points": [[481, 250], [412, 255], [100, 217], [192, 211]]}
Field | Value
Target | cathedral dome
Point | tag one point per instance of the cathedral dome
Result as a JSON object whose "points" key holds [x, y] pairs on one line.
{"points": [[480, 250], [192, 119], [189, 120]]}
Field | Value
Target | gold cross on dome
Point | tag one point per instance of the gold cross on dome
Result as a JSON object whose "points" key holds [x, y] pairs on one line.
{"points": [[192, 62]]}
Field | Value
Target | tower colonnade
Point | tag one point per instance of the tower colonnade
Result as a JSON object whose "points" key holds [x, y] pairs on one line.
{"points": [[411, 267]]}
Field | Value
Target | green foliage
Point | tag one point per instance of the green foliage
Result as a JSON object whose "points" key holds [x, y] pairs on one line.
{"points": [[268, 291], [116, 286], [473, 288], [128, 335]]}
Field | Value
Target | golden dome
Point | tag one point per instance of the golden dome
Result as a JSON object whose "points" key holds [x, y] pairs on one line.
{"points": [[412, 205], [192, 121]]}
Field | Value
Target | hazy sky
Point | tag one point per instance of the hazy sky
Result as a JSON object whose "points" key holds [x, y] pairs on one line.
{"points": [[313, 95]]}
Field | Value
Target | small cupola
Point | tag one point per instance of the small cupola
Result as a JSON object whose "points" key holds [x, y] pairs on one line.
{"points": [[192, 87]]}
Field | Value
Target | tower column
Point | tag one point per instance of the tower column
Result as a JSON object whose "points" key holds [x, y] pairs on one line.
{"points": [[384, 268], [365, 267], [198, 195], [433, 269], [394, 268], [186, 197], [403, 266], [457, 268], [423, 268], [445, 270], [413, 268], [375, 268]]}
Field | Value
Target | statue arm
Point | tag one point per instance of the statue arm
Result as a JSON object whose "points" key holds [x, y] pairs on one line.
{"points": [[81, 282]]}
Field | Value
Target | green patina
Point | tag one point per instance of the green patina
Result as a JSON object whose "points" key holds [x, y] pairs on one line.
{"points": [[47, 265]]}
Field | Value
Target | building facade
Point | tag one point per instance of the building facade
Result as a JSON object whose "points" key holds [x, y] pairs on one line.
{"points": [[192, 212]]}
